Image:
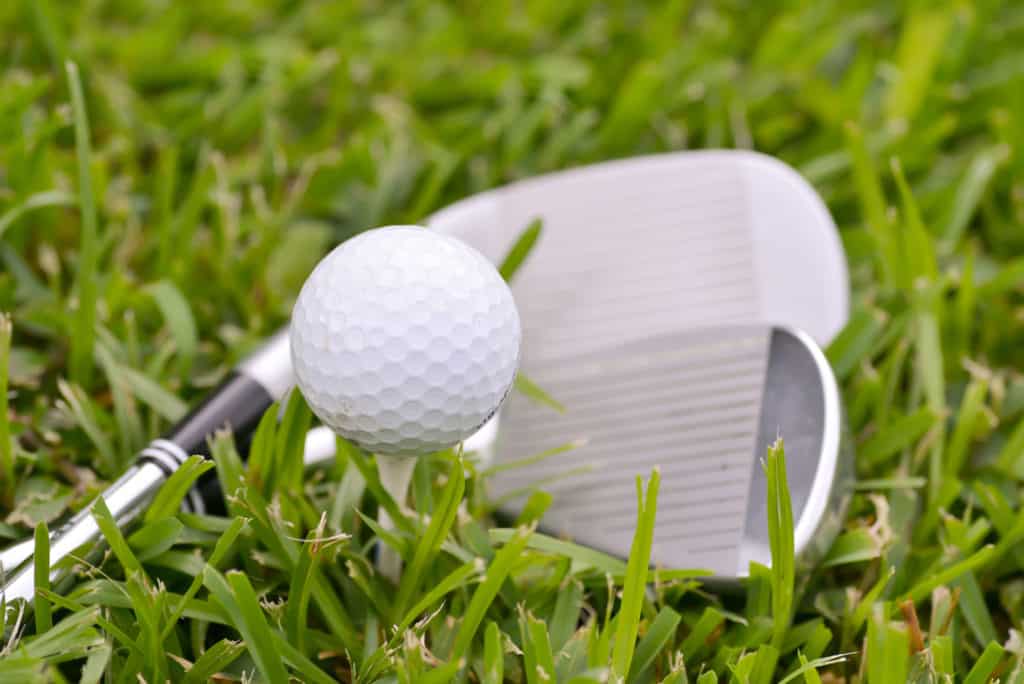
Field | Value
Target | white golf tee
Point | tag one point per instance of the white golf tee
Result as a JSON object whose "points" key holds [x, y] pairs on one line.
{"points": [[395, 474]]}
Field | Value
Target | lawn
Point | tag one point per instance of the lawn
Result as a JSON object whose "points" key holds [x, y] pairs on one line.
{"points": [[170, 172]]}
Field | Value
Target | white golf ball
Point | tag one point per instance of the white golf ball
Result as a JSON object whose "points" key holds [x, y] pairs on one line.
{"points": [[405, 341]]}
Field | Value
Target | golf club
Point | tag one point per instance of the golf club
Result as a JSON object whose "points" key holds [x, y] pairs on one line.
{"points": [[711, 237]]}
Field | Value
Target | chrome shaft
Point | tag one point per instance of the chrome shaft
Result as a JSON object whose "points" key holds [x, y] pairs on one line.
{"points": [[125, 498]]}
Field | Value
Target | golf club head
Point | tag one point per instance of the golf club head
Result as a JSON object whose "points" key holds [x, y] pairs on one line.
{"points": [[703, 406]]}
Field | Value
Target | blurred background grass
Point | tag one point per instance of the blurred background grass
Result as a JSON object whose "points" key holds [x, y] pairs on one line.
{"points": [[221, 147]]}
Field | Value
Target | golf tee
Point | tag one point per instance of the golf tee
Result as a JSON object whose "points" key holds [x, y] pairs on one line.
{"points": [[395, 474]]}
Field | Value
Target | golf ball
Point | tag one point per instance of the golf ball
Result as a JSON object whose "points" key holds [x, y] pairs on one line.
{"points": [[404, 341]]}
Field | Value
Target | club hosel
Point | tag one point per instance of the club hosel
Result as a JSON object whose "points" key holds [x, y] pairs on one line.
{"points": [[238, 404]]}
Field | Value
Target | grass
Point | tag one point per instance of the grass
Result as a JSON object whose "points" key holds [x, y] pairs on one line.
{"points": [[169, 172]]}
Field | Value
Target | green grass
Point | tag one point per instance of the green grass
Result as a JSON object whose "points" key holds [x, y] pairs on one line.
{"points": [[170, 172]]}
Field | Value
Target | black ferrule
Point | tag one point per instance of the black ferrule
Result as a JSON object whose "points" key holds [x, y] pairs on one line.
{"points": [[237, 404]]}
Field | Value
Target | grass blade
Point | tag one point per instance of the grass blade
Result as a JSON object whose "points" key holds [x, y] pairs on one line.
{"points": [[521, 249], [296, 612], [535, 392], [659, 634], [213, 661], [921, 45], [223, 547], [977, 560], [7, 481], [985, 665], [873, 205], [236, 596], [484, 594], [168, 500], [458, 578], [780, 536], [179, 320], [494, 656], [112, 533], [969, 194], [43, 609], [635, 584], [39, 200], [538, 662], [582, 556], [83, 332]]}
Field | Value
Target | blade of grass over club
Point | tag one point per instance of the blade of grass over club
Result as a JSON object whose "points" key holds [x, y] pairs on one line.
{"points": [[780, 535], [168, 499], [531, 460], [635, 584], [583, 555], [521, 249], [535, 392], [42, 607], [114, 538]]}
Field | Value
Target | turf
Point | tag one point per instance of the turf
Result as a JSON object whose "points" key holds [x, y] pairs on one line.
{"points": [[169, 172]]}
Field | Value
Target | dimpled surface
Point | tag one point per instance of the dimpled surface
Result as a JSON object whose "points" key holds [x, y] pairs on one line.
{"points": [[404, 340]]}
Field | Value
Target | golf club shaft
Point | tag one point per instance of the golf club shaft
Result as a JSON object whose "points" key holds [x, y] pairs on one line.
{"points": [[238, 402]]}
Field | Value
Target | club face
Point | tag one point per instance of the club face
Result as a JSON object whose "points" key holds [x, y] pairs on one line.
{"points": [[702, 406]]}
